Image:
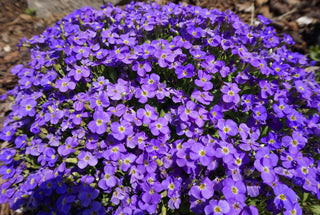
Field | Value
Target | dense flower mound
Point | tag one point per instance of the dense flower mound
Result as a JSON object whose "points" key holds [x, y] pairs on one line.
{"points": [[156, 109]]}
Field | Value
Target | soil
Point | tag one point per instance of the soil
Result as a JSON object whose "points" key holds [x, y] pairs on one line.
{"points": [[16, 22]]}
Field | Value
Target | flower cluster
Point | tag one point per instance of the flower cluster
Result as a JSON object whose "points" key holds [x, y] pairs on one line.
{"points": [[156, 109]]}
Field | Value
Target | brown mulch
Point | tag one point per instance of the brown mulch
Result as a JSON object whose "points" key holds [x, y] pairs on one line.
{"points": [[16, 24]]}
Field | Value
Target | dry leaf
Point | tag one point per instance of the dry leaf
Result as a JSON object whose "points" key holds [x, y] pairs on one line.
{"points": [[261, 2]]}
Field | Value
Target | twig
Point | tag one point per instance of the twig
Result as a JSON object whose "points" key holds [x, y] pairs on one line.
{"points": [[285, 14], [252, 13]]}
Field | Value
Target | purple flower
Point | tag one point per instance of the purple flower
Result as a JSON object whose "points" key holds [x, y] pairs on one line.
{"points": [[164, 57], [265, 89], [188, 111], [215, 114], [204, 80], [185, 71], [159, 126], [285, 197], [142, 67], [234, 190], [227, 128], [28, 107], [86, 196], [99, 123], [144, 93], [260, 113], [121, 130], [114, 152], [86, 158], [148, 114], [127, 161], [108, 179], [64, 203], [265, 167], [217, 207], [225, 150], [196, 32], [294, 143], [7, 171], [174, 202], [6, 192], [151, 192], [202, 97], [230, 93], [6, 155], [203, 154], [78, 72], [203, 190], [65, 84]]}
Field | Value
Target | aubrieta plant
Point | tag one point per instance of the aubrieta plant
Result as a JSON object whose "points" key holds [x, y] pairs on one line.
{"points": [[172, 110]]}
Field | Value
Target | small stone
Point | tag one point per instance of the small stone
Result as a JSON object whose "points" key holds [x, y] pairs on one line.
{"points": [[7, 48], [304, 20]]}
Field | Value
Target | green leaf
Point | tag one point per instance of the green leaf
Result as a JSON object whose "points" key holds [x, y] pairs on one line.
{"points": [[163, 210], [72, 160], [315, 209], [169, 39], [162, 113], [305, 197]]}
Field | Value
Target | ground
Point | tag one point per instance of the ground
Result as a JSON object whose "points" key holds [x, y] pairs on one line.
{"points": [[17, 21]]}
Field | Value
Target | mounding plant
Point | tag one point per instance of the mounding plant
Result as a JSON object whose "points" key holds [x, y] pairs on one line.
{"points": [[173, 110]]}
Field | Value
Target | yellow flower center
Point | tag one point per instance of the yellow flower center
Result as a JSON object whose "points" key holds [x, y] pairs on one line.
{"points": [[282, 197], [226, 129], [230, 93], [202, 153], [294, 143], [121, 129], [234, 190], [171, 186], [107, 176], [99, 122], [202, 186], [217, 209], [225, 150]]}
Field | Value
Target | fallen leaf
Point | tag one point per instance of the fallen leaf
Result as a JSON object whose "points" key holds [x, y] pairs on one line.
{"points": [[265, 11], [246, 7], [10, 56], [261, 2], [25, 17]]}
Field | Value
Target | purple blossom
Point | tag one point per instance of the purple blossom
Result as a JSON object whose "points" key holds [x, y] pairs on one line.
{"points": [[217, 207], [99, 123], [78, 72], [108, 179], [204, 80], [202, 97], [65, 84], [230, 93], [159, 126], [86, 158], [227, 128], [121, 130], [185, 71], [203, 190]]}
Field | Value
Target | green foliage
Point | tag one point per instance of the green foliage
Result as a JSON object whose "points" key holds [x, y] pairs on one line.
{"points": [[31, 11], [315, 53]]}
